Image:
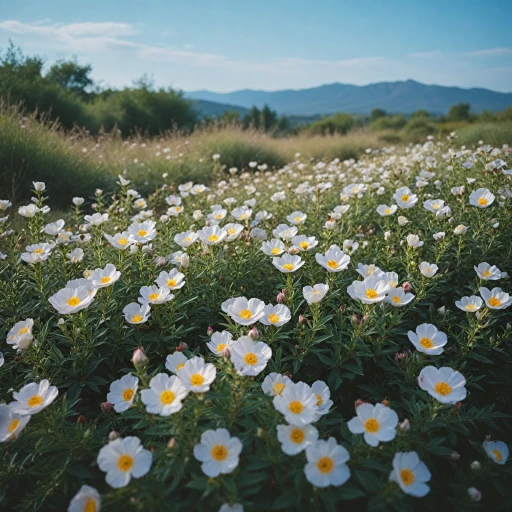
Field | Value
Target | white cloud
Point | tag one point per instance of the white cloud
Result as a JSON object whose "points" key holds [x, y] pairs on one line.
{"points": [[490, 52]]}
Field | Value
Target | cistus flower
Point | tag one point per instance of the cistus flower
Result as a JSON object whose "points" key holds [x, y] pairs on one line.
{"points": [[488, 272], [404, 198], [333, 260], [20, 336], [175, 362], [11, 424], [410, 474], [164, 396], [296, 439], [369, 291], [288, 263], [87, 499], [428, 269], [248, 357], [297, 403], [275, 315], [123, 459], [122, 392], [326, 464], [101, 278], [495, 298], [275, 383], [154, 295], [197, 375], [428, 339], [497, 451], [481, 198], [273, 248], [173, 280], [136, 314], [33, 398], [377, 423], [72, 299], [470, 304], [212, 235], [218, 452], [246, 311], [220, 342], [446, 385]]}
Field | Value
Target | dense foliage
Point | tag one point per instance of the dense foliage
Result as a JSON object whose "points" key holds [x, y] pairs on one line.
{"points": [[391, 241]]}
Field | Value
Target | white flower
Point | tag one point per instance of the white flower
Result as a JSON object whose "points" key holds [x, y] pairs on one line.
{"points": [[33, 398], [54, 228], [297, 403], [288, 263], [384, 210], [122, 392], [96, 219], [398, 298], [4, 204], [304, 243], [274, 384], [212, 235], [101, 278], [444, 384], [372, 289], [470, 304], [136, 314], [28, 211], [314, 294], [296, 218], [173, 280], [246, 312], [175, 362], [218, 452], [368, 270], [197, 375], [76, 255], [428, 339], [120, 240], [323, 395], [488, 272], [481, 197], [497, 451], [273, 248], [285, 232], [87, 499], [143, 232], [414, 241], [11, 424], [495, 298], [404, 198], [377, 423], [326, 464], [461, 229], [248, 357], [402, 221], [123, 458], [154, 295], [72, 299], [20, 335], [296, 439], [439, 236], [220, 343], [277, 315], [428, 269], [37, 253], [241, 213], [78, 201], [410, 474], [186, 239], [333, 260], [233, 231], [217, 215], [236, 507], [349, 247], [164, 395], [433, 205]]}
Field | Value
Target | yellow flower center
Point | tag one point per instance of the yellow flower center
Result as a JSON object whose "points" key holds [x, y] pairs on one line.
{"points": [[13, 425], [319, 400], [187, 239], [332, 264], [396, 299], [90, 506], [487, 273], [197, 379], [407, 477], [73, 301], [436, 206], [278, 388], [426, 343], [276, 250], [137, 319], [325, 465], [371, 293], [470, 307], [154, 296], [221, 347], [493, 301], [38, 251], [297, 436], [405, 197], [122, 241], [22, 331], [219, 216], [387, 211], [245, 314], [179, 367], [304, 245], [288, 266], [443, 388], [128, 394], [498, 455], [219, 452], [34, 401], [142, 232], [213, 238], [295, 407], [298, 219], [273, 318], [482, 201], [244, 216], [231, 231], [125, 462], [171, 282], [250, 359], [167, 397], [105, 280], [371, 425]]}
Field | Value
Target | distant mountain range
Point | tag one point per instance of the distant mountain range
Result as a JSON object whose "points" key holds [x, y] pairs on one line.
{"points": [[396, 97]]}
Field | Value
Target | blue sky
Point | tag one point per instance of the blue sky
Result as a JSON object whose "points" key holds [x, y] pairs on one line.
{"points": [[224, 45]]}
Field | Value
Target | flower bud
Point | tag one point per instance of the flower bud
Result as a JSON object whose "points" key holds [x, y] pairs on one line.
{"points": [[112, 436], [359, 402], [160, 261], [185, 260], [39, 185], [209, 331], [475, 466], [181, 346], [442, 310], [107, 407], [302, 319], [171, 443], [454, 455], [474, 494], [254, 333], [407, 287], [280, 297], [385, 402], [405, 425], [387, 235], [81, 419], [342, 308], [139, 359]]}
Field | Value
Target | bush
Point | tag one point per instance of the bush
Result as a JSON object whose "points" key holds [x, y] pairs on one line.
{"points": [[496, 134], [336, 124], [396, 122]]}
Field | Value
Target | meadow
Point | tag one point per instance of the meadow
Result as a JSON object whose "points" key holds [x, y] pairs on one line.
{"points": [[227, 321]]}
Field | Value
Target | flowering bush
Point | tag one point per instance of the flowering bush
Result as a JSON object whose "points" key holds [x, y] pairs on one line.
{"points": [[321, 336]]}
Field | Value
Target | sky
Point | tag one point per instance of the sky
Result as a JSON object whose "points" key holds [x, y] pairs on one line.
{"points": [[226, 45]]}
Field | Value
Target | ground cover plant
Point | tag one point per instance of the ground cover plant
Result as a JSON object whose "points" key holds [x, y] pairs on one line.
{"points": [[321, 335]]}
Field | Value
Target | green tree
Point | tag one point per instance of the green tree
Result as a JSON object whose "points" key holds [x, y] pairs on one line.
{"points": [[377, 113], [71, 75], [459, 112]]}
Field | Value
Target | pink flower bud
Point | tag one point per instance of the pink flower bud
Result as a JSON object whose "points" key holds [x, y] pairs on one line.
{"points": [[139, 359], [81, 419], [181, 346], [107, 407], [302, 319], [359, 402], [280, 298], [254, 333], [171, 443], [454, 455], [209, 331], [112, 436], [407, 287], [474, 494]]}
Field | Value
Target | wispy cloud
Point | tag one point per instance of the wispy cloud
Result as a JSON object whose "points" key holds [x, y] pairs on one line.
{"points": [[426, 55], [490, 52]]}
